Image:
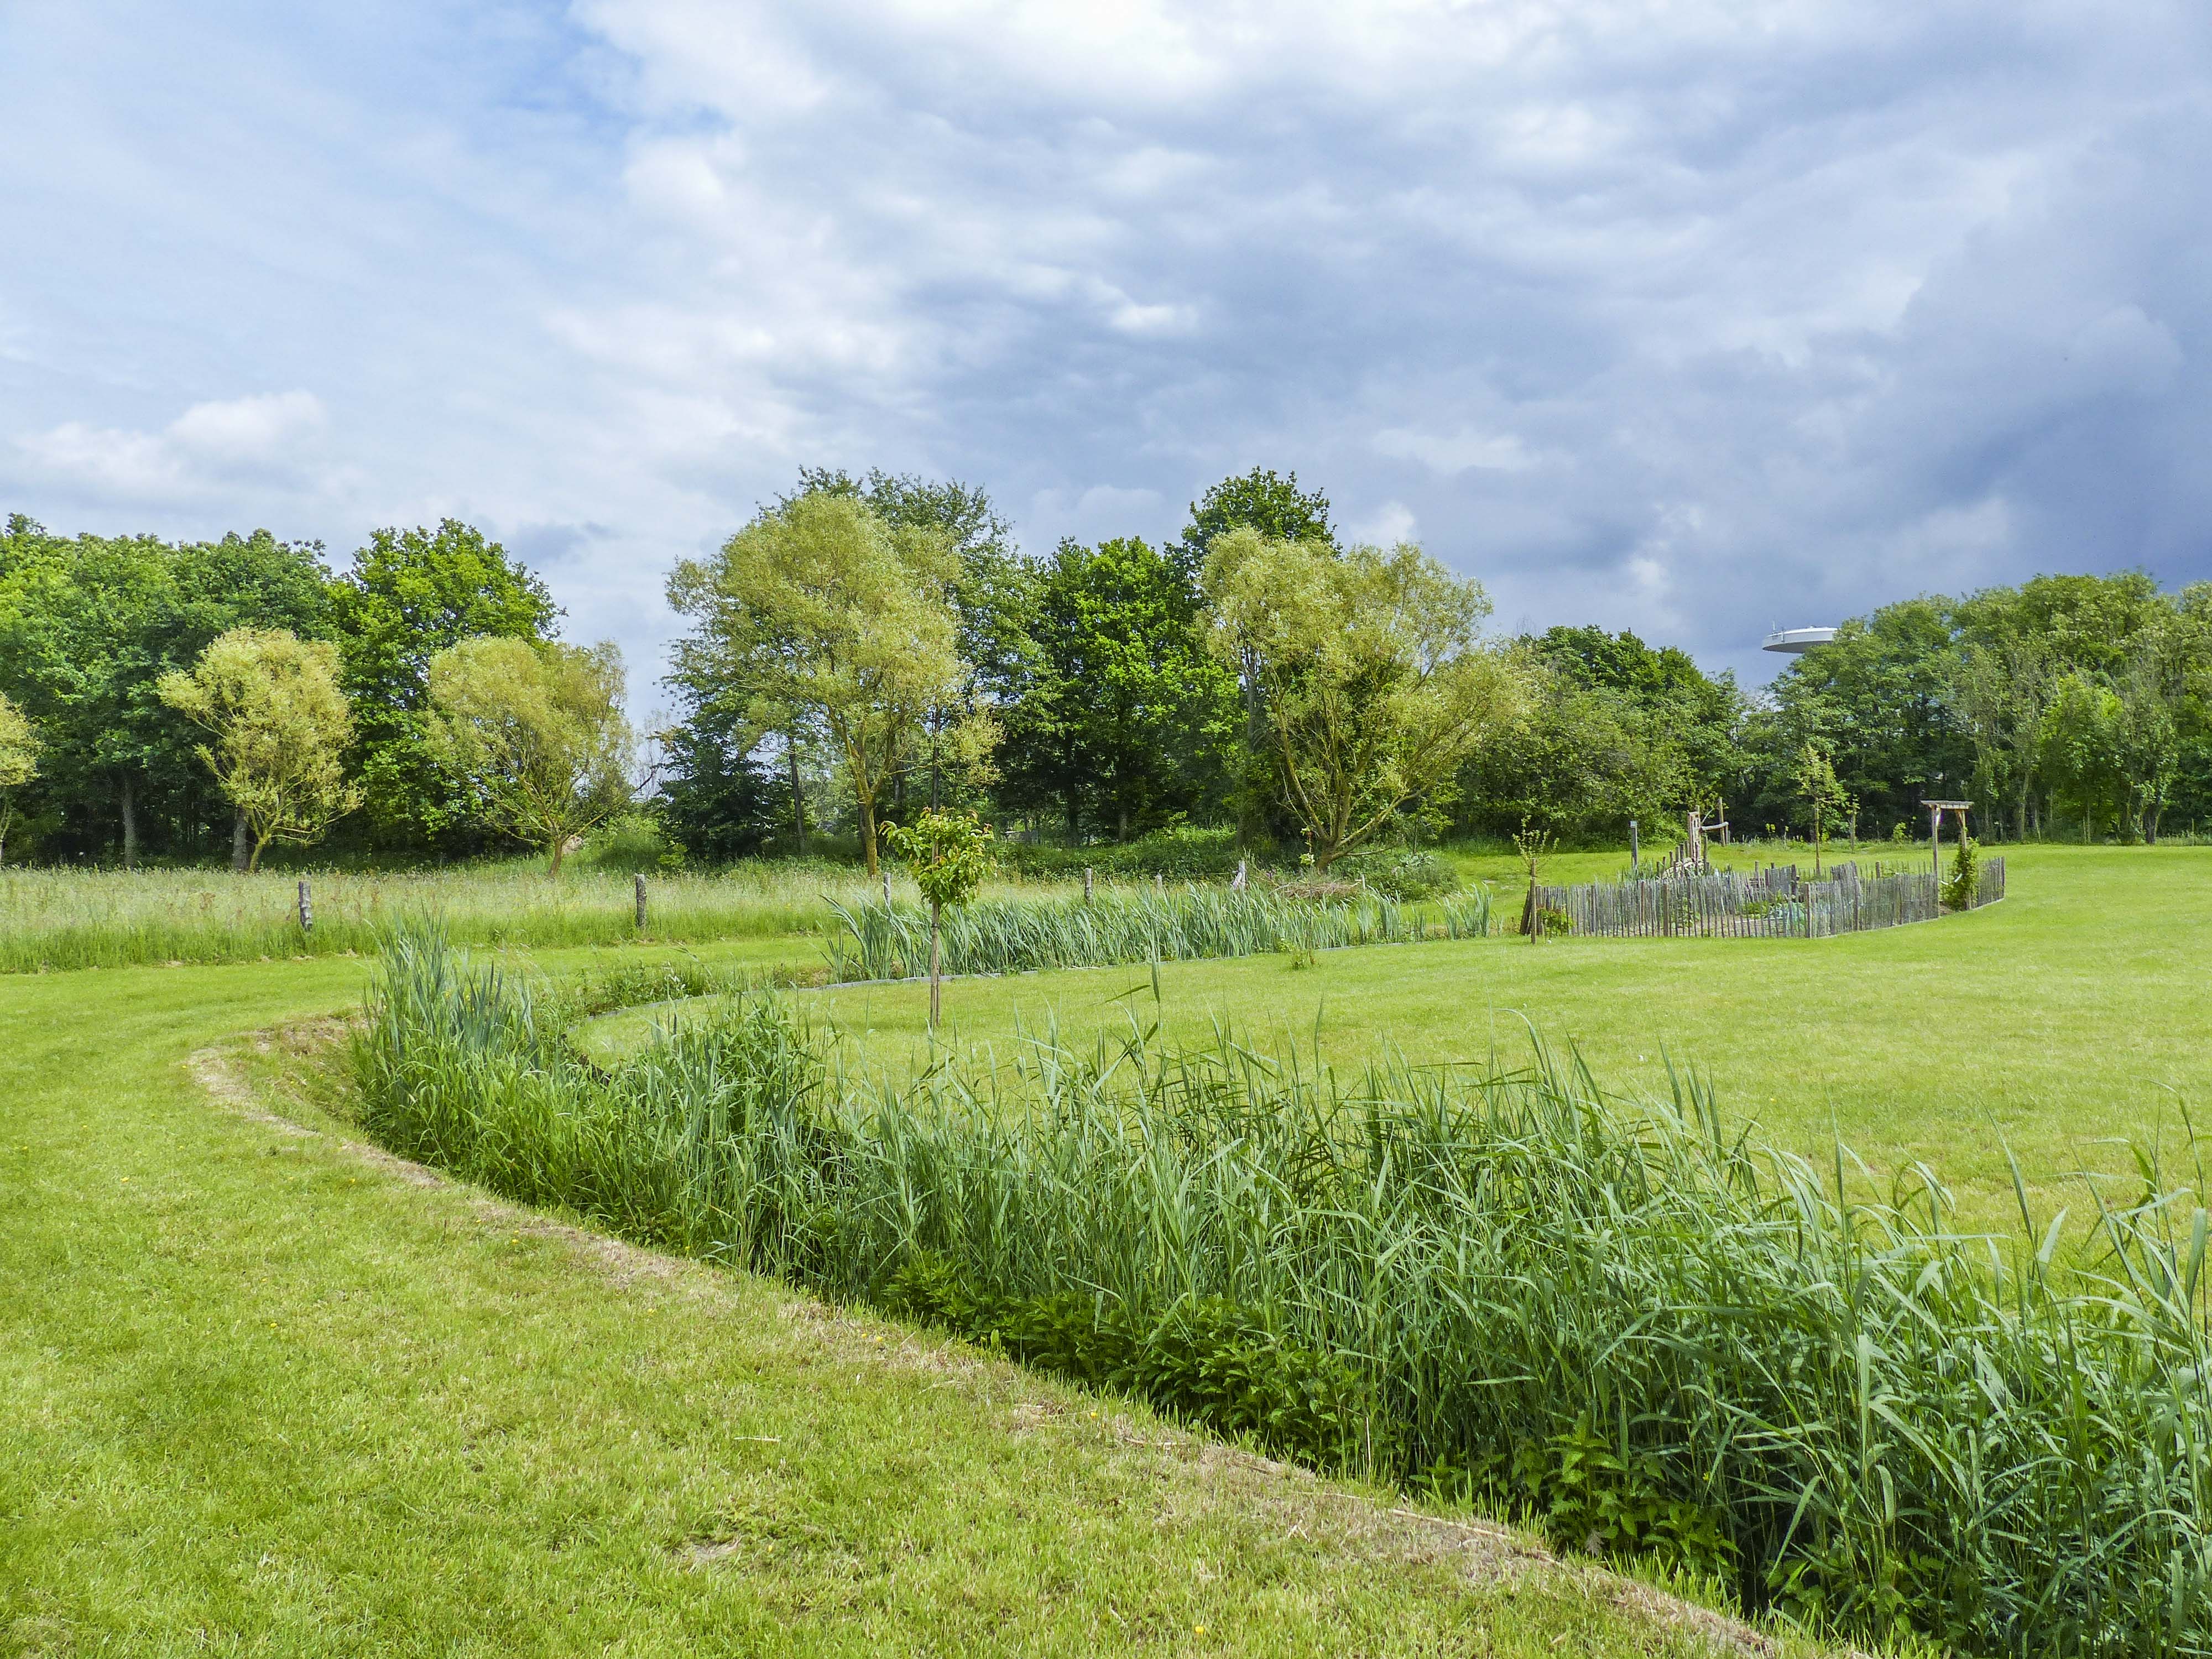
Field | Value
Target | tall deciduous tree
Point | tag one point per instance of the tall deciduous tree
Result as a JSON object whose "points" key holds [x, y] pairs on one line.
{"points": [[819, 617], [410, 594], [1367, 664], [1276, 509], [272, 703], [1124, 718], [2082, 735], [19, 763], [534, 732]]}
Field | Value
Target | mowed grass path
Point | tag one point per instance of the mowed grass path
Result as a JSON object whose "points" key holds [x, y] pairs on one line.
{"points": [[260, 1394], [2076, 1013]]}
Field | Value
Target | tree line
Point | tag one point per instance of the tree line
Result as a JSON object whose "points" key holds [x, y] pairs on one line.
{"points": [[866, 647]]}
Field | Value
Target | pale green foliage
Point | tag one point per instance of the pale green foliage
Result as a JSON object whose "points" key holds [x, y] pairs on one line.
{"points": [[19, 761], [820, 617], [949, 855], [1824, 799], [536, 733], [1374, 689], [2083, 735], [279, 725]]}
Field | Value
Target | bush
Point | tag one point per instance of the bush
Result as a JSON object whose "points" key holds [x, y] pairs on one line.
{"points": [[1399, 872], [1182, 854]]}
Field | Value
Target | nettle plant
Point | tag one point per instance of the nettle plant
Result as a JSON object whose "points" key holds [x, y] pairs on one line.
{"points": [[949, 853]]}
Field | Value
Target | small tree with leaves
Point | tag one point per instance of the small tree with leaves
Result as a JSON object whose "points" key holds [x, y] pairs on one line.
{"points": [[18, 761], [1533, 846], [280, 726], [1825, 798], [949, 853]]}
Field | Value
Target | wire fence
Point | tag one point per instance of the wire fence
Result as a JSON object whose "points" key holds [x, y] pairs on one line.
{"points": [[1772, 903]]}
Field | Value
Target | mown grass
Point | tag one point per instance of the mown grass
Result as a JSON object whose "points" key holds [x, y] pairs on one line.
{"points": [[1617, 1315], [263, 1397]]}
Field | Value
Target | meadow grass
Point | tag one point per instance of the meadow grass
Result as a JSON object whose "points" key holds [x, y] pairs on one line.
{"points": [[1619, 1316], [268, 1396], [59, 919]]}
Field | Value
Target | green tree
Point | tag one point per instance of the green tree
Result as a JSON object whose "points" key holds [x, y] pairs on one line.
{"points": [[819, 617], [1374, 689], [19, 763], [1826, 801], [536, 735], [410, 595], [950, 855], [1574, 761], [2083, 734], [992, 596], [271, 703], [1125, 719], [87, 628], [1259, 501]]}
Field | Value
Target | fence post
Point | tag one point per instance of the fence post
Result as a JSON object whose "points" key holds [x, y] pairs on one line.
{"points": [[306, 908], [1159, 882], [1635, 854], [886, 871], [641, 901], [1087, 884]]}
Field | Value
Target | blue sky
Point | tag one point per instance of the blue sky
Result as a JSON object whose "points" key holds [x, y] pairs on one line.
{"points": [[1692, 318]]}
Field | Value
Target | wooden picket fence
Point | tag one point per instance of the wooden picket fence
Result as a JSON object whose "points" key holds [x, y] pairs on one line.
{"points": [[1773, 903]]}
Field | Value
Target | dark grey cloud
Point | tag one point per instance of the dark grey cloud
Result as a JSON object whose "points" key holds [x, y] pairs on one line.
{"points": [[1695, 318]]}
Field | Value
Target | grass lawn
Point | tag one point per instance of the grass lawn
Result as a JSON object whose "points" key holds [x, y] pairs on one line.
{"points": [[260, 1393], [2074, 1012]]}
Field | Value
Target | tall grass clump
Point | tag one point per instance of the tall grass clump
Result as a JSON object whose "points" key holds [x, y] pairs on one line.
{"points": [[1501, 1283], [1010, 936]]}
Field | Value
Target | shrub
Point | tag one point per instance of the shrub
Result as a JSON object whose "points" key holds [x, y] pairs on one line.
{"points": [[1965, 881], [1400, 872], [1185, 854]]}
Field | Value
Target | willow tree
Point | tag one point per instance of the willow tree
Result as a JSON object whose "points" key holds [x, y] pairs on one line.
{"points": [[820, 618], [280, 726], [1374, 687], [18, 761], [534, 732]]}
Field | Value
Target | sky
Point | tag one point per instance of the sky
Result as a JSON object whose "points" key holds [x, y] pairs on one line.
{"points": [[1695, 318]]}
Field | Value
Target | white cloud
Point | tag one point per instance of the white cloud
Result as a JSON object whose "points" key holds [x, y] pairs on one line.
{"points": [[272, 439], [1460, 451]]}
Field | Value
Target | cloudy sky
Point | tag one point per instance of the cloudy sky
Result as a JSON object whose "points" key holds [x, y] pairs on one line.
{"points": [[1693, 316]]}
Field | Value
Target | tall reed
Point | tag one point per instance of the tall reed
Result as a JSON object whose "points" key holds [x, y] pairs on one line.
{"points": [[1007, 936], [1501, 1281]]}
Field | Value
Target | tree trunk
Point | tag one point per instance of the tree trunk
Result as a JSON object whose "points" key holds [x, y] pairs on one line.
{"points": [[2150, 826], [933, 768], [253, 861], [560, 849], [130, 822], [868, 831], [935, 987], [6, 818], [1247, 816], [241, 844], [798, 796]]}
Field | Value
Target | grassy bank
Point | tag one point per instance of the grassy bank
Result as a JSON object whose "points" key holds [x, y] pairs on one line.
{"points": [[263, 1397], [1615, 1316]]}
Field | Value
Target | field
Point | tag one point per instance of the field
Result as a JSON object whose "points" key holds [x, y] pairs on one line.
{"points": [[2053, 1025], [268, 1393]]}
